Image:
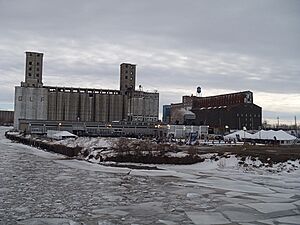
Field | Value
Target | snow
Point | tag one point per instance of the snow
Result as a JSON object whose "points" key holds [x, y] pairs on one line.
{"points": [[88, 142]]}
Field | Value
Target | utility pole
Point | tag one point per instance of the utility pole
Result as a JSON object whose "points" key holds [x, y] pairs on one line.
{"points": [[296, 127], [277, 122]]}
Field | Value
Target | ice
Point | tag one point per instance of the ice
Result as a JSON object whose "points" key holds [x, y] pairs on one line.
{"points": [[297, 202], [110, 212], [289, 220], [48, 221], [166, 222], [271, 207], [233, 185], [204, 218], [238, 216], [38, 187]]}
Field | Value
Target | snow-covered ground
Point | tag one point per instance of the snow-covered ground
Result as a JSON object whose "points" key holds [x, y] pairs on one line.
{"points": [[38, 187]]}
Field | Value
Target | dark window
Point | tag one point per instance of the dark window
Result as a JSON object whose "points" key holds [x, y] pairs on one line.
{"points": [[37, 75], [126, 71], [20, 98], [37, 55], [126, 77], [42, 99], [37, 69], [29, 74], [37, 63], [29, 68], [30, 63]]}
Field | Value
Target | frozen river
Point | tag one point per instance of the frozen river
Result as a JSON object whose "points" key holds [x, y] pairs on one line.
{"points": [[37, 187]]}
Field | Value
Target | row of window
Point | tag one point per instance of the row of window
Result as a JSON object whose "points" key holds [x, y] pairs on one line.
{"points": [[37, 63], [20, 98], [246, 115], [37, 75], [126, 77], [37, 69], [126, 71]]}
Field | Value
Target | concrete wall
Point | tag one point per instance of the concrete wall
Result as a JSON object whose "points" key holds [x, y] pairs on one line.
{"points": [[30, 103], [143, 106]]}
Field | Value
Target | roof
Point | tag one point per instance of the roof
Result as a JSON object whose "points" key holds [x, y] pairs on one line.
{"points": [[272, 134], [64, 134], [240, 133]]}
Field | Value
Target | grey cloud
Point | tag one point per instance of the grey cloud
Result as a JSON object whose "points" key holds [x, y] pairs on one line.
{"points": [[177, 45]]}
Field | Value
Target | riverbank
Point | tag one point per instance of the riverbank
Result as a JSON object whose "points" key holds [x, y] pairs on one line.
{"points": [[136, 153]]}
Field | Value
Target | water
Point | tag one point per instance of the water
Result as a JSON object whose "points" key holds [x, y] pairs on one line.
{"points": [[43, 188]]}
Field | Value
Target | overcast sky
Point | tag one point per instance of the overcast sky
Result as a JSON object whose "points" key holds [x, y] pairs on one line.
{"points": [[222, 46]]}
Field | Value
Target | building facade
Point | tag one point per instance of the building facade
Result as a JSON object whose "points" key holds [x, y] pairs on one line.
{"points": [[34, 101], [234, 111], [6, 117]]}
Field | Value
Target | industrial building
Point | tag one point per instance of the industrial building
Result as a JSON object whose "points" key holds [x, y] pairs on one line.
{"points": [[36, 102], [6, 117], [228, 111]]}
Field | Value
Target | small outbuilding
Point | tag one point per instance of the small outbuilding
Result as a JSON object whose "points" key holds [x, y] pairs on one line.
{"points": [[60, 135]]}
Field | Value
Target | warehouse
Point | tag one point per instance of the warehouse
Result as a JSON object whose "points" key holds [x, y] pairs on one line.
{"points": [[228, 111], [35, 101]]}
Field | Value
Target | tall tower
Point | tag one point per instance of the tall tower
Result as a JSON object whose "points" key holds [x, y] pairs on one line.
{"points": [[33, 70], [127, 77]]}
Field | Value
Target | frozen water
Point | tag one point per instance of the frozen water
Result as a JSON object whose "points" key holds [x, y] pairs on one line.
{"points": [[38, 187], [271, 207], [204, 218]]}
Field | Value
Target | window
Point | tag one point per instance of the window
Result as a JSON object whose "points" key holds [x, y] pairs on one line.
{"points": [[29, 74], [42, 99], [20, 98], [30, 63], [37, 74], [126, 77], [131, 78], [37, 63], [38, 55], [37, 69], [126, 71], [29, 68]]}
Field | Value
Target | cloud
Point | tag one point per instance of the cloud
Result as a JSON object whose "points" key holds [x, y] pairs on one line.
{"points": [[222, 46]]}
